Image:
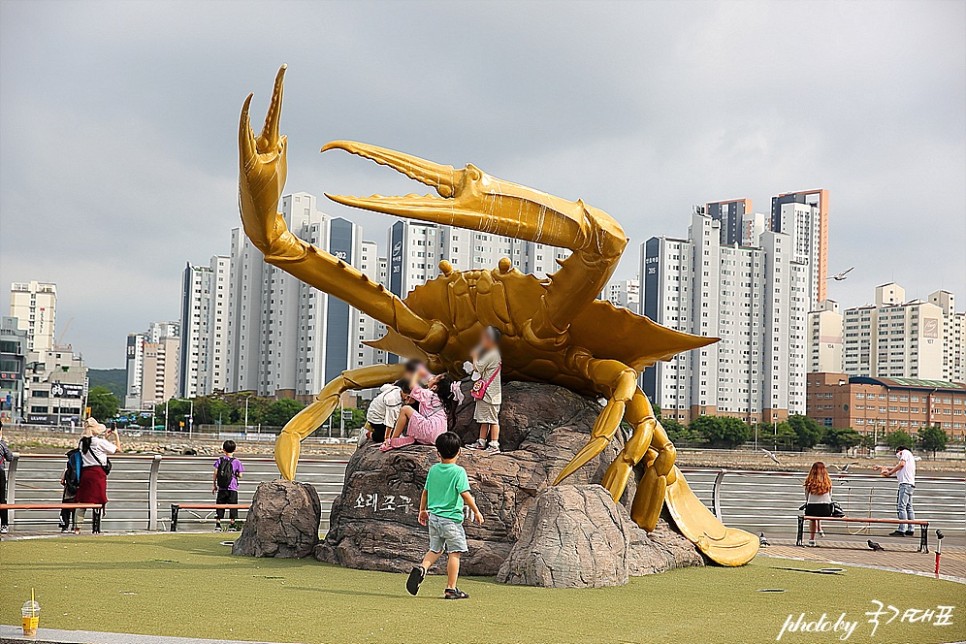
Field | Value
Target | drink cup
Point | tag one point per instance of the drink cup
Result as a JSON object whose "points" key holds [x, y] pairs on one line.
{"points": [[31, 618]]}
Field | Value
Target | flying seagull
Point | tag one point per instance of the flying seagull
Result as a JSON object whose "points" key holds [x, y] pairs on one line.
{"points": [[762, 541], [838, 277], [874, 546], [771, 456], [844, 469]]}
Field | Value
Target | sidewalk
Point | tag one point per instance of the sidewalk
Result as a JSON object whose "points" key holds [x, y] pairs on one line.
{"points": [[900, 557], [53, 636]]}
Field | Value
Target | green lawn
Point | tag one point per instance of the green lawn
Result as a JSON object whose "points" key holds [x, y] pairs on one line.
{"points": [[189, 585]]}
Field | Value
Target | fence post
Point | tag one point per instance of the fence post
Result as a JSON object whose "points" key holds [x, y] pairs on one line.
{"points": [[716, 494], [153, 493], [12, 482]]}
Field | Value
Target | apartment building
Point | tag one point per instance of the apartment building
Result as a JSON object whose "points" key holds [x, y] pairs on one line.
{"points": [[826, 341], [34, 304], [204, 329], [753, 298], [153, 365]]}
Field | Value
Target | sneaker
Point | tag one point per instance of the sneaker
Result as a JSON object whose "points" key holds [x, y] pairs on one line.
{"points": [[217, 527], [4, 529], [821, 533], [416, 576], [455, 593], [896, 533], [478, 444], [811, 543], [492, 448], [910, 533]]}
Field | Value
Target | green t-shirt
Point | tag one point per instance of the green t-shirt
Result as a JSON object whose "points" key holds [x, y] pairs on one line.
{"points": [[445, 482]]}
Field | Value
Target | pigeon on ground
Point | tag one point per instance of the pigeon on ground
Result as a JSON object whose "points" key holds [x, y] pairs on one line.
{"points": [[875, 546], [762, 541], [771, 456]]}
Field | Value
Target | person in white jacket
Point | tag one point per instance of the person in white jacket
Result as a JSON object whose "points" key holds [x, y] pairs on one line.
{"points": [[384, 410]]}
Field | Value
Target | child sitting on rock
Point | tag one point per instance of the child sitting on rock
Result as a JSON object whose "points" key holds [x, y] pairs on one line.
{"points": [[446, 491], [437, 400]]}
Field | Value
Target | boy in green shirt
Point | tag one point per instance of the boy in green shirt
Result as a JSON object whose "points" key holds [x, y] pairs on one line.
{"points": [[441, 507]]}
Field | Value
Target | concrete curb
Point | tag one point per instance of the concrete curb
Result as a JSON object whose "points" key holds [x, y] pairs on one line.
{"points": [[14, 634]]}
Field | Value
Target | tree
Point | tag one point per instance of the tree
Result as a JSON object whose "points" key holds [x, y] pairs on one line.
{"points": [[779, 436], [722, 431], [808, 433], [281, 411], [842, 438], [898, 438], [103, 403], [677, 432], [932, 439], [868, 441]]}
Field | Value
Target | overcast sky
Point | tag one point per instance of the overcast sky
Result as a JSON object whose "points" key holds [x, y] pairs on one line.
{"points": [[118, 126]]}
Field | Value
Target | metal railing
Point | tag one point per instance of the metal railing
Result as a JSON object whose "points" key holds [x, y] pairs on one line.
{"points": [[142, 489]]}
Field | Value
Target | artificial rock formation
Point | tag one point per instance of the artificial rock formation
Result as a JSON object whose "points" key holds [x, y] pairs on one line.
{"points": [[577, 537], [373, 524], [282, 522]]}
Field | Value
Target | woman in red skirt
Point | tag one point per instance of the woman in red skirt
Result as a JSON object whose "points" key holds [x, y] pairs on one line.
{"points": [[95, 449]]}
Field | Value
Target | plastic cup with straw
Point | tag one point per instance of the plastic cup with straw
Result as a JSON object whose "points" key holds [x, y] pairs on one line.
{"points": [[31, 616]]}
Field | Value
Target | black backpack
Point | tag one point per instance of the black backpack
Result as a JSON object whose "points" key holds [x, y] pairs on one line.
{"points": [[72, 475], [226, 473]]}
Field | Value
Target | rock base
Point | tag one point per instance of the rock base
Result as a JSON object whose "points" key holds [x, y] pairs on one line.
{"points": [[282, 522], [577, 537]]}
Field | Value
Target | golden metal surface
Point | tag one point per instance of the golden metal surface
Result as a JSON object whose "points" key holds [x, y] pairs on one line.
{"points": [[554, 330]]}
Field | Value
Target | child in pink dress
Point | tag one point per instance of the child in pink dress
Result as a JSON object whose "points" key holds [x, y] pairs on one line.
{"points": [[437, 400]]}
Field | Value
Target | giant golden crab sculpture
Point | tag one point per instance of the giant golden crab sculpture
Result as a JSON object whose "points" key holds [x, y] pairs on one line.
{"points": [[554, 330]]}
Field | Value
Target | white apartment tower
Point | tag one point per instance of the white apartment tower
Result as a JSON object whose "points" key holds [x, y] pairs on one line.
{"points": [[153, 365], [276, 329], [204, 308], [898, 339], [753, 298], [368, 328], [34, 304], [826, 341], [624, 293]]}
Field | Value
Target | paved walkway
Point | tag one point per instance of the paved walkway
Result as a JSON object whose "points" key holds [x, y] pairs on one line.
{"points": [[53, 636], [896, 556]]}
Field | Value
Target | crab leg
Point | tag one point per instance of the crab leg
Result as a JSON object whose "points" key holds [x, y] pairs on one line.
{"points": [[640, 415], [304, 423], [470, 198], [620, 382], [262, 173]]}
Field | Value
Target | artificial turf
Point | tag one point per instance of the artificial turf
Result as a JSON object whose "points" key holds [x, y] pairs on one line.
{"points": [[189, 585]]}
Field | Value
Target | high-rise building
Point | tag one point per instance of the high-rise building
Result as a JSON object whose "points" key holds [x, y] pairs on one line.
{"points": [[276, 323], [826, 342], [753, 224], [374, 266], [753, 298], [894, 338], [804, 216], [34, 304], [731, 214], [342, 323], [153, 365], [204, 333], [954, 336], [13, 360], [625, 293]]}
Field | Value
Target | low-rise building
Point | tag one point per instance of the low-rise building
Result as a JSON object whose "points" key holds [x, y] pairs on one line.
{"points": [[13, 359], [881, 405], [55, 387]]}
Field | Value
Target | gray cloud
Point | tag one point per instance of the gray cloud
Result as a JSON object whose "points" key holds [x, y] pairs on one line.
{"points": [[118, 121]]}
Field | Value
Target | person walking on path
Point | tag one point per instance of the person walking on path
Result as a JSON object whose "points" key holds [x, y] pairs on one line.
{"points": [[5, 456], [905, 473]]}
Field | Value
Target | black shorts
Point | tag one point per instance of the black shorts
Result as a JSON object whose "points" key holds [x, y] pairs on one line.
{"points": [[378, 432], [818, 509]]}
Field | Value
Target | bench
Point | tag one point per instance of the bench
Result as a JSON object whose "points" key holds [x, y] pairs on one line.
{"points": [[923, 526], [177, 507], [95, 519]]}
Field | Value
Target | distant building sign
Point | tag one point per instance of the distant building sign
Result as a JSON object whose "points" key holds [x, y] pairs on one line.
{"points": [[62, 390], [930, 328]]}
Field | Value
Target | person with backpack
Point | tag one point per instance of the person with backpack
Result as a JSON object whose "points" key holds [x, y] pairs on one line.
{"points": [[69, 481], [95, 451], [5, 455], [224, 483]]}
